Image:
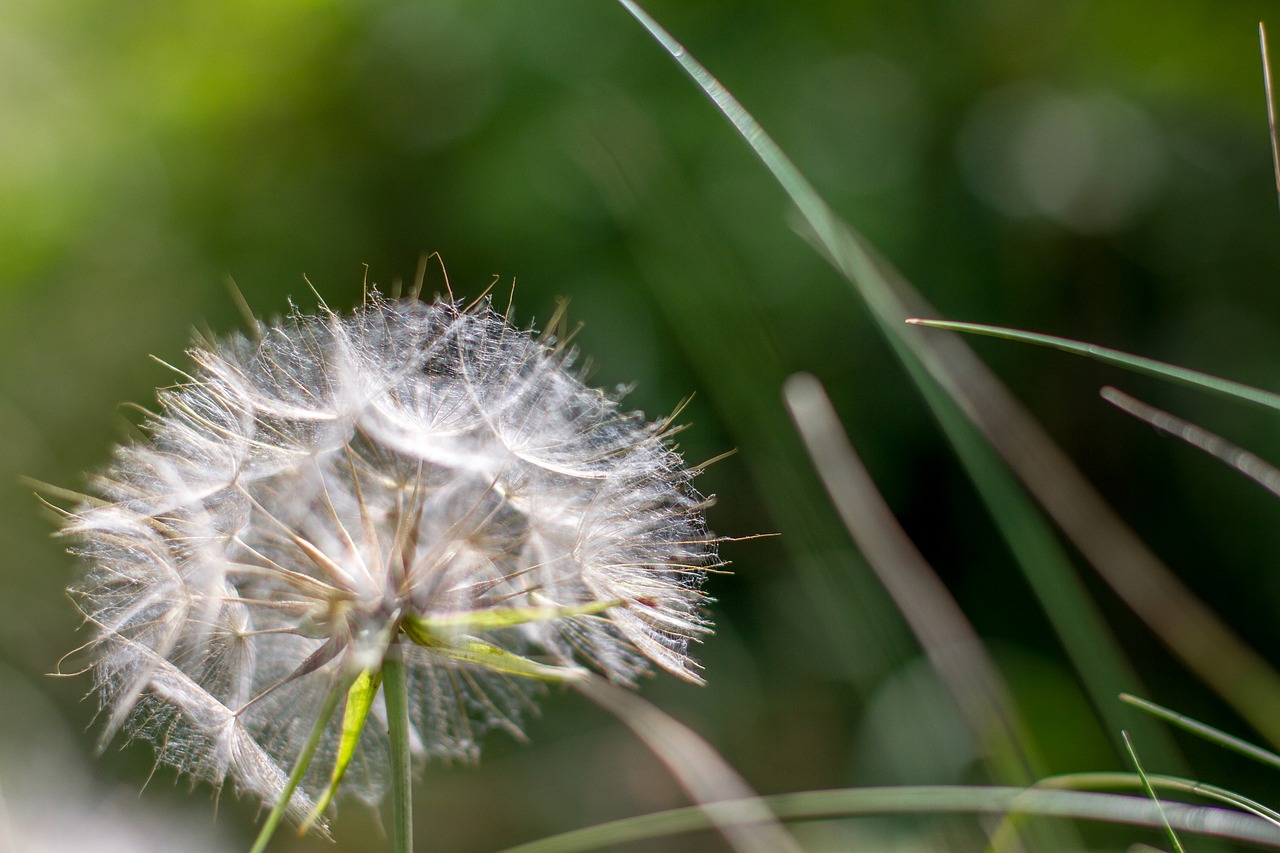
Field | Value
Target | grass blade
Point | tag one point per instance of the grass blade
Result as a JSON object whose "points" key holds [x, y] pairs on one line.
{"points": [[1122, 781], [1108, 781], [1074, 616], [1209, 733], [708, 778], [1251, 465], [952, 646], [1206, 645], [1146, 786], [928, 799], [1136, 363]]}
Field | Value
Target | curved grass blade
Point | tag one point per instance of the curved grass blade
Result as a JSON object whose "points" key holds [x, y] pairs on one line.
{"points": [[1111, 781], [1205, 644], [1063, 597], [700, 770], [949, 641], [1251, 465], [927, 799], [1203, 730], [1136, 363]]}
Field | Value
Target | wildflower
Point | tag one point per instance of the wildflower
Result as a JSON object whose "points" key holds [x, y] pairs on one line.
{"points": [[417, 482]]}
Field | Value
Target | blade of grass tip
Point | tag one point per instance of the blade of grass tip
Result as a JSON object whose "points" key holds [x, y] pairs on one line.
{"points": [[951, 645], [1271, 103], [1252, 466], [396, 693], [269, 826], [1204, 643], [732, 807], [1205, 731], [1135, 363], [927, 799], [1146, 786]]}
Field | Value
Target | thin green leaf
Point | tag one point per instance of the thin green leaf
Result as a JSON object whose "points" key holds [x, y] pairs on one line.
{"points": [[359, 700], [1146, 786], [1136, 363], [1064, 598], [1111, 781], [473, 650], [442, 624], [1271, 103], [300, 767], [1209, 733]]}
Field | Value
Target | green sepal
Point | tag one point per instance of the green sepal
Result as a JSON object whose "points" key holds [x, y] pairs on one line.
{"points": [[359, 699], [473, 650], [490, 619], [299, 769]]}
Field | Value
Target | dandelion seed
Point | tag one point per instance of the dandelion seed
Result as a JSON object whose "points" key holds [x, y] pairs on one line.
{"points": [[413, 475]]}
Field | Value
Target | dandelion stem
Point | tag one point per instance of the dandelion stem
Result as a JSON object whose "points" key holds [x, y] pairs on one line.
{"points": [[397, 697], [299, 769]]}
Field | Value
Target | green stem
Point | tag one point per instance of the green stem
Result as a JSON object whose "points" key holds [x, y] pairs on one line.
{"points": [[304, 761], [397, 697]]}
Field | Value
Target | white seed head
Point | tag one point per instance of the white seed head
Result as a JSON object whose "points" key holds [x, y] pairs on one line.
{"points": [[413, 470]]}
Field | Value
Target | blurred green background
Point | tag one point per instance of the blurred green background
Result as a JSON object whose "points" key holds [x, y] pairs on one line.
{"points": [[1092, 169]]}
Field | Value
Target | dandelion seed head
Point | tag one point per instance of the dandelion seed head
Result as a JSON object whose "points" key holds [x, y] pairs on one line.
{"points": [[305, 498]]}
